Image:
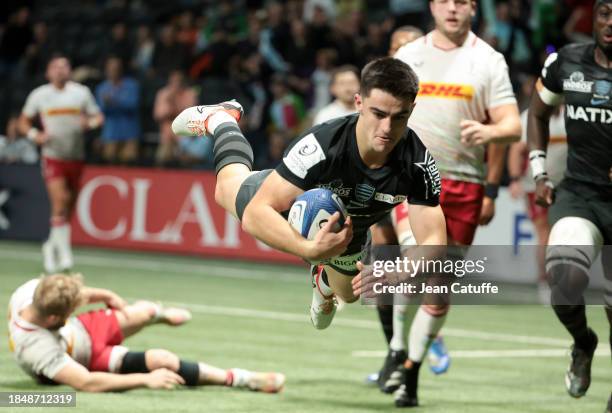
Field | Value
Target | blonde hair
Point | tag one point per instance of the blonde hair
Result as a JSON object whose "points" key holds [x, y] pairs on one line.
{"points": [[58, 294]]}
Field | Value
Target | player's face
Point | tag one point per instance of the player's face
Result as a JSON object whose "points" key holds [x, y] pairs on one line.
{"points": [[58, 71], [452, 17], [398, 39], [383, 119], [603, 28], [345, 86]]}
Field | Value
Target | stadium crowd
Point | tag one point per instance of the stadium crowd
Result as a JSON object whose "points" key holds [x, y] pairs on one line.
{"points": [[146, 61]]}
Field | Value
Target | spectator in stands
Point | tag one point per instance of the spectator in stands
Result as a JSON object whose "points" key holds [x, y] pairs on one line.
{"points": [[38, 52], [118, 97], [273, 156], [287, 109], [15, 148], [169, 54], [169, 102], [14, 40], [143, 53], [344, 85], [119, 44], [195, 152], [321, 78]]}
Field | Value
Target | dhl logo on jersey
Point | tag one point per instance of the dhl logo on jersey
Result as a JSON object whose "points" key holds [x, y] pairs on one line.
{"points": [[446, 90], [63, 111]]}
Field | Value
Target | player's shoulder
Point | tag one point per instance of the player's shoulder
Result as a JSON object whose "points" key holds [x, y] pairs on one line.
{"points": [[410, 49], [327, 131], [42, 90], [78, 87], [482, 49], [574, 52]]}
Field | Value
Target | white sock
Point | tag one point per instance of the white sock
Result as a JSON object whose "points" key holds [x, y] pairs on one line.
{"points": [[62, 241], [240, 377], [321, 291], [403, 314], [217, 119], [424, 330]]}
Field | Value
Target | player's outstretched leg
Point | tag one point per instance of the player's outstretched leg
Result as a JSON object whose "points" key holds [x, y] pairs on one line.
{"points": [[135, 317], [233, 155], [200, 374]]}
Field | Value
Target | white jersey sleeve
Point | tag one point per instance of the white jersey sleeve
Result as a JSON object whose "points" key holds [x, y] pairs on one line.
{"points": [[42, 354], [90, 105], [500, 90], [32, 104]]}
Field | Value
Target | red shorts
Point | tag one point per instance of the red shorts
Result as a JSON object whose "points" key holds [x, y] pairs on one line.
{"points": [[535, 211], [461, 203], [69, 170], [105, 333]]}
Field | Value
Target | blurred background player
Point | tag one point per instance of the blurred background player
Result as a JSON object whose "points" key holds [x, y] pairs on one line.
{"points": [[344, 84], [581, 206], [465, 102], [403, 35], [67, 110], [522, 185], [85, 352]]}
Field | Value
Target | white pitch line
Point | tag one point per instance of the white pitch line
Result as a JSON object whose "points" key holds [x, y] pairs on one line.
{"points": [[477, 354], [228, 271], [150, 264], [367, 324]]}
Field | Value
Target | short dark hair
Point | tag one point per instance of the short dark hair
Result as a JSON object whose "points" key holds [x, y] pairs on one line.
{"points": [[343, 69], [390, 75]]}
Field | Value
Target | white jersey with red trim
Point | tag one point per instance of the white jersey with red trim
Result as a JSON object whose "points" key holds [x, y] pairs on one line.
{"points": [[556, 153], [61, 112], [457, 84], [41, 352]]}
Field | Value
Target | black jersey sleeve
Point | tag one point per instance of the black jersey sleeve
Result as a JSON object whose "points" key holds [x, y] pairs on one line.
{"points": [[551, 72], [424, 179], [303, 161]]}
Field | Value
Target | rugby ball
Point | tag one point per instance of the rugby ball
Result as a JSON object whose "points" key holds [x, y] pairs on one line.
{"points": [[311, 211]]}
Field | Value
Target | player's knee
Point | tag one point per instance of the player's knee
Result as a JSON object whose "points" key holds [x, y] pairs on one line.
{"points": [[160, 358], [436, 310]]}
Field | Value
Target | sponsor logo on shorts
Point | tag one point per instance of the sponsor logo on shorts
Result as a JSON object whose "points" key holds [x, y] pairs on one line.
{"points": [[576, 83], [389, 199], [346, 263], [446, 90]]}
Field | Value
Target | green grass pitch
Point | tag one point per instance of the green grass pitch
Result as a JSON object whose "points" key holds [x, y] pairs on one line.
{"points": [[256, 316]]}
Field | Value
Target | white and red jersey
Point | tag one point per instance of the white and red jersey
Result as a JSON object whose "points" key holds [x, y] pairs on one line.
{"points": [[61, 112], [41, 352], [457, 84], [556, 153]]}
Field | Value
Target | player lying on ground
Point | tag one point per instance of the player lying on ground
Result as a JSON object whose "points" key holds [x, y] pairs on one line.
{"points": [[371, 160], [85, 352]]}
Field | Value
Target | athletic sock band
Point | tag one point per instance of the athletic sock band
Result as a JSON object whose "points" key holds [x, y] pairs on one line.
{"points": [[134, 362], [189, 371], [231, 147]]}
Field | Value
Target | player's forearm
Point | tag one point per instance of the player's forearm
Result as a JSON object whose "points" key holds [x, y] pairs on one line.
{"points": [[507, 130], [103, 382], [515, 159], [268, 226], [24, 125], [496, 155]]}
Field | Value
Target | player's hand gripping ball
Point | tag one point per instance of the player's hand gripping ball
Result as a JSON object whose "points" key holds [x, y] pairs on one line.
{"points": [[311, 211]]}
